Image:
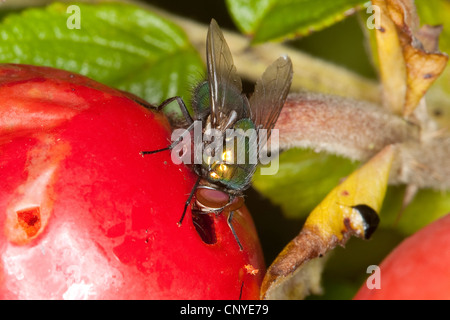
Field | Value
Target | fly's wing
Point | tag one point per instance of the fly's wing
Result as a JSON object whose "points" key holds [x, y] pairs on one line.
{"points": [[228, 104], [270, 94]]}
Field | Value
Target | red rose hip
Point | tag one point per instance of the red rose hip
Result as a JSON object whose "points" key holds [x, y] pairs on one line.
{"points": [[417, 268], [84, 216]]}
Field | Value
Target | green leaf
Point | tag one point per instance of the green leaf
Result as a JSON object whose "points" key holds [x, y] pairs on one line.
{"points": [[304, 178], [120, 45], [436, 12], [280, 19], [428, 205]]}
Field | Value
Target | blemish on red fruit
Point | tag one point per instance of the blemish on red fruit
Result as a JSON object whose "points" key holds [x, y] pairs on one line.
{"points": [[251, 269], [204, 225], [34, 197], [30, 220]]}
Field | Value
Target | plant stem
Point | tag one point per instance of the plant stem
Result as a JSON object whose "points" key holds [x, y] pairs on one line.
{"points": [[358, 130], [354, 129]]}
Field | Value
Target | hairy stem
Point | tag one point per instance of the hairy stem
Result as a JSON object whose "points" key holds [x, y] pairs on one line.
{"points": [[347, 127], [358, 130]]}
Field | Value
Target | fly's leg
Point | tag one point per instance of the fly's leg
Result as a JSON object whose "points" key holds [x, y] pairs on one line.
{"points": [[186, 115], [188, 201], [240, 291], [182, 106], [172, 145], [230, 217]]}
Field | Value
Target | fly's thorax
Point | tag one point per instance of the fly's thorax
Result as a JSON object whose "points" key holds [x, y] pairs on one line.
{"points": [[201, 102], [232, 102]]}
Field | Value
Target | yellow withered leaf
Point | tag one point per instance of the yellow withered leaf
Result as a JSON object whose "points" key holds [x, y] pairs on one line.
{"points": [[409, 58], [392, 67], [349, 209]]}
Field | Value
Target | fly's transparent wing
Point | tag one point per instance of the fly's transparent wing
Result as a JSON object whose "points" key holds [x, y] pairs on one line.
{"points": [[228, 104], [270, 94]]}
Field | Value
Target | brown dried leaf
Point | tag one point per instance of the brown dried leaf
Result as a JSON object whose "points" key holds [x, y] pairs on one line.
{"points": [[423, 69], [409, 57]]}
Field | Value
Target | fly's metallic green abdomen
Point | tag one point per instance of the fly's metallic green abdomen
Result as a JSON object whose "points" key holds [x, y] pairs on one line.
{"points": [[236, 163]]}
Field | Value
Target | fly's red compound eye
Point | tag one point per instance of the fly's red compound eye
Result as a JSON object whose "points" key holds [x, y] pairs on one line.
{"points": [[212, 198], [216, 199]]}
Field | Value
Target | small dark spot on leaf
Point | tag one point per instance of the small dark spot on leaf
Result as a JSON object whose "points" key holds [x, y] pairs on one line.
{"points": [[428, 75], [370, 217], [437, 112], [381, 29]]}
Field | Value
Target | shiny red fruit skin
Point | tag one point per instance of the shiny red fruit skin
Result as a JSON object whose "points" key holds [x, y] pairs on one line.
{"points": [[84, 216], [418, 268]]}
